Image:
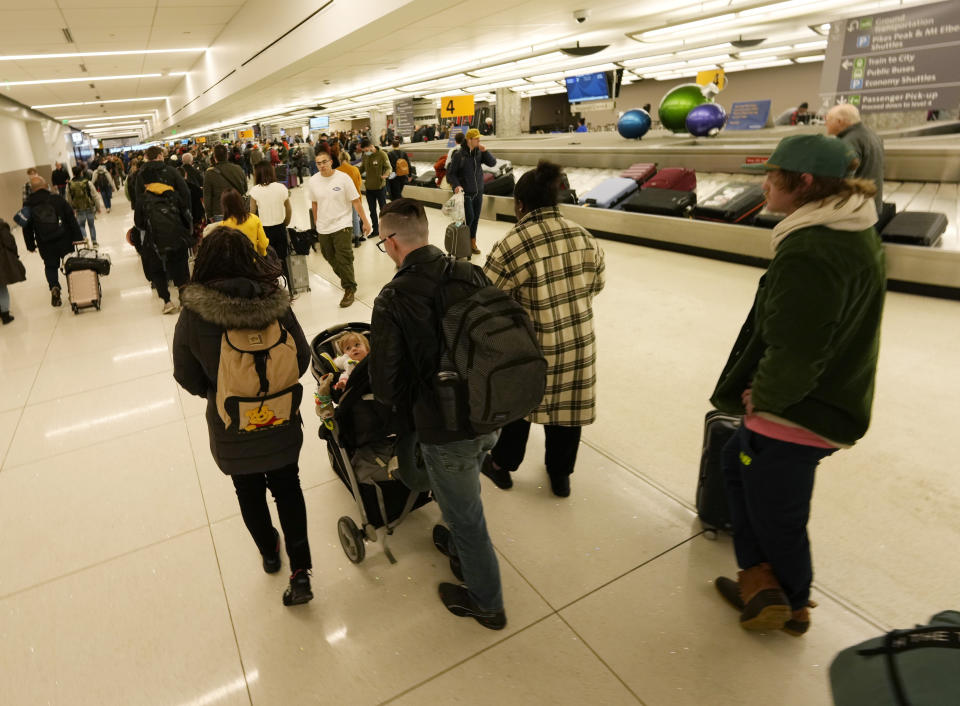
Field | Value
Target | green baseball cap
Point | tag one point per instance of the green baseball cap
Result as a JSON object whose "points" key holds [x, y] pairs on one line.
{"points": [[812, 154]]}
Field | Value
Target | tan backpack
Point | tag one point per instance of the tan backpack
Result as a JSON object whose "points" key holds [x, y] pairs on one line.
{"points": [[258, 381]]}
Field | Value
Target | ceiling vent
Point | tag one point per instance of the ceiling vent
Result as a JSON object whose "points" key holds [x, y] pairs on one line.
{"points": [[67, 35]]}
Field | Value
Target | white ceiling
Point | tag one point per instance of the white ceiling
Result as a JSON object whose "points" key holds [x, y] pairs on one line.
{"points": [[351, 47]]}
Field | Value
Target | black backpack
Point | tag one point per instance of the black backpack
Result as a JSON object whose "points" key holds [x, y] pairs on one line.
{"points": [[102, 182], [490, 356], [46, 221], [167, 228]]}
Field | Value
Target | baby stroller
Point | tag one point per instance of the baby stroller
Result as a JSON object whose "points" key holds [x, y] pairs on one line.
{"points": [[362, 443]]}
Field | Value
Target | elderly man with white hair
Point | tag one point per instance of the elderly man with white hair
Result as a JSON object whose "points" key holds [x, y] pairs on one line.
{"points": [[843, 121]]}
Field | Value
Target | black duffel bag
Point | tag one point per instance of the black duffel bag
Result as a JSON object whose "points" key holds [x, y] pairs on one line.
{"points": [[302, 240]]}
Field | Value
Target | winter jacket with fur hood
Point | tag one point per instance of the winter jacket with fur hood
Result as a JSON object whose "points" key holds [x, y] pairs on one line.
{"points": [[208, 310]]}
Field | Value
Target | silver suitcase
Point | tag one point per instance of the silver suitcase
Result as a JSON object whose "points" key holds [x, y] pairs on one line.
{"points": [[299, 274]]}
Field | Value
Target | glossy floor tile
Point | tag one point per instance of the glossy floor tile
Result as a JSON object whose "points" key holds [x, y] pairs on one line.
{"points": [[133, 630], [124, 553], [667, 633]]}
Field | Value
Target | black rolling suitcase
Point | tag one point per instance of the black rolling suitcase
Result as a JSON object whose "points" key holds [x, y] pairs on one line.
{"points": [[887, 212], [425, 180], [767, 219], [916, 228], [712, 508], [661, 202], [501, 186], [734, 202]]}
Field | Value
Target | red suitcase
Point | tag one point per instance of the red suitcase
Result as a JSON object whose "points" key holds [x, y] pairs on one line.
{"points": [[676, 178], [640, 172]]}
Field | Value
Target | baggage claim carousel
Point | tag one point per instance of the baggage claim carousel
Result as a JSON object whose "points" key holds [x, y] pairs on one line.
{"points": [[922, 173]]}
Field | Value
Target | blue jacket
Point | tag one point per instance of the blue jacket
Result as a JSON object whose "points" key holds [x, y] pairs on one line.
{"points": [[466, 169]]}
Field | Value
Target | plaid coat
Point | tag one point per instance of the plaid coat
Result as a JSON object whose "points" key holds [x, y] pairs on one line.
{"points": [[553, 267]]}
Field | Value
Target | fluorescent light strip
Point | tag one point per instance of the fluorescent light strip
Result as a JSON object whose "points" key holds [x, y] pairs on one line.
{"points": [[95, 118], [647, 59], [685, 26], [70, 55], [89, 79], [810, 59], [765, 50], [102, 125], [820, 44], [115, 100]]}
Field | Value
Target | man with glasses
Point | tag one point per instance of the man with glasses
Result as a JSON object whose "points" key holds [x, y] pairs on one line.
{"points": [[404, 365], [333, 197]]}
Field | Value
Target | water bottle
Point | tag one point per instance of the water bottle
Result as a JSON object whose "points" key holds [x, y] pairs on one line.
{"points": [[447, 386]]}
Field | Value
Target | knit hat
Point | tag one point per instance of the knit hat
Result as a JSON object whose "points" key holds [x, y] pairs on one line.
{"points": [[818, 155], [472, 133]]}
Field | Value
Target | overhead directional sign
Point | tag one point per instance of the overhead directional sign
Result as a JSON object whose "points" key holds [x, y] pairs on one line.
{"points": [[453, 106], [895, 61], [705, 78]]}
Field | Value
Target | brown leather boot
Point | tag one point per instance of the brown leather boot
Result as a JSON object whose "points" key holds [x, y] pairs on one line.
{"points": [[765, 605], [799, 621]]}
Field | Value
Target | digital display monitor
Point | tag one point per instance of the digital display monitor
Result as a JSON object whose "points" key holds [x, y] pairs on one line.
{"points": [[76, 137], [320, 123], [588, 87]]}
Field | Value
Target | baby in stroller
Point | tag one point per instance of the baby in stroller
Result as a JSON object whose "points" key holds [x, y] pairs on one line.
{"points": [[363, 438]]}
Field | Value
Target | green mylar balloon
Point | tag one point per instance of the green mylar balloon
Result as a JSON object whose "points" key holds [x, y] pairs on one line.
{"points": [[677, 103]]}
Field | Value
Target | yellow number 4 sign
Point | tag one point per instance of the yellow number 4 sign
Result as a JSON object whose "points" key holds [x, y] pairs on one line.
{"points": [[705, 78], [454, 106]]}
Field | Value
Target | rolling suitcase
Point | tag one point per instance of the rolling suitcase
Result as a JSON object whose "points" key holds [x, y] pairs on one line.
{"points": [[502, 166], [299, 274], [734, 202], [83, 289], [281, 172], [609, 193], [456, 240], [640, 172], [500, 186], [676, 178], [661, 202], [916, 228], [84, 258], [712, 508]]}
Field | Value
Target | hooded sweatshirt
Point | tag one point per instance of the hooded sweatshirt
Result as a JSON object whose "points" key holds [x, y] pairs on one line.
{"points": [[808, 350]]}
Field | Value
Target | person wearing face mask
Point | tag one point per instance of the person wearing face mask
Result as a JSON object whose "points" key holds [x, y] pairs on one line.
{"points": [[375, 168], [802, 372], [465, 175]]}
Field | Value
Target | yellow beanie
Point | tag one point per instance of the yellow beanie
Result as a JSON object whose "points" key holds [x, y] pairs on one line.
{"points": [[472, 133]]}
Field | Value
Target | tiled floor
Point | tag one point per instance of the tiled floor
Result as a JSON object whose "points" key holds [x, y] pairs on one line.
{"points": [[129, 577]]}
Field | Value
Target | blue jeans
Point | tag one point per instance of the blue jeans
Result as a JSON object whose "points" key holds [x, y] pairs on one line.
{"points": [[471, 207], [85, 218], [454, 472], [769, 485], [357, 232], [106, 195]]}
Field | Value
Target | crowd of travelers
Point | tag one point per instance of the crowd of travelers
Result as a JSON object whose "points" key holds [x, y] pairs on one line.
{"points": [[801, 371]]}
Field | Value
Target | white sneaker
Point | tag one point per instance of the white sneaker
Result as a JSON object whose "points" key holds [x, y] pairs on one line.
{"points": [[170, 308]]}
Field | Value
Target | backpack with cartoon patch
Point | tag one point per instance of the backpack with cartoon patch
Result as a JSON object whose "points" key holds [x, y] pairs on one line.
{"points": [[258, 381]]}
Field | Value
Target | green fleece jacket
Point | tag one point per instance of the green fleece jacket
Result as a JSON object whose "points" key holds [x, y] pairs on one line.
{"points": [[376, 168], [808, 349]]}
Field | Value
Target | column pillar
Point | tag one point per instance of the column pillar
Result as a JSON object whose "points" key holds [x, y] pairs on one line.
{"points": [[378, 123], [508, 122]]}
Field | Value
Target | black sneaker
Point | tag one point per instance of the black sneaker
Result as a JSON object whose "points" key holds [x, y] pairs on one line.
{"points": [[560, 485], [441, 540], [271, 562], [55, 296], [299, 589], [458, 601], [500, 477]]}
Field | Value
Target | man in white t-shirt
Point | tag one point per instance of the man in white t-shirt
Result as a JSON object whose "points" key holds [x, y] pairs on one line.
{"points": [[333, 196]]}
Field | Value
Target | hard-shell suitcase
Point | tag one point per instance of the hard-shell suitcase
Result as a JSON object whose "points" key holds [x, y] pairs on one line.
{"points": [[640, 172], [676, 178], [609, 193], [734, 202], [916, 228], [712, 507], [426, 180], [487, 178], [292, 178], [887, 212], [501, 186], [456, 240], [662, 202], [83, 289], [913, 667], [299, 274]]}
